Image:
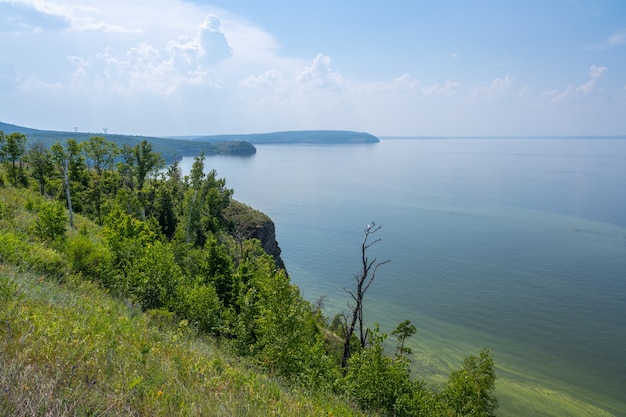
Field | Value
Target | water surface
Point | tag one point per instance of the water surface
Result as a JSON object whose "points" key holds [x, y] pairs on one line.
{"points": [[516, 245]]}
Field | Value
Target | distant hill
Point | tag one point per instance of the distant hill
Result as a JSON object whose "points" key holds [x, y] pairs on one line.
{"points": [[292, 137], [170, 149]]}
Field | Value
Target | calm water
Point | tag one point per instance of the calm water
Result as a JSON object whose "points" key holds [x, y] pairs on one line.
{"points": [[517, 245]]}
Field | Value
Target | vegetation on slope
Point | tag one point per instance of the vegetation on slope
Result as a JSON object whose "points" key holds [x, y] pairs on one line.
{"points": [[162, 246]]}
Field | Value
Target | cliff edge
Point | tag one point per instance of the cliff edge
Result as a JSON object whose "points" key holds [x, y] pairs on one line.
{"points": [[249, 223]]}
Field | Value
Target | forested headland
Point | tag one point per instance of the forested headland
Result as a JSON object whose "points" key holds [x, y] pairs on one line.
{"points": [[128, 288]]}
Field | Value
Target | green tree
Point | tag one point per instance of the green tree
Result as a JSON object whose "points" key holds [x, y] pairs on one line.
{"points": [[100, 156], [40, 163], [61, 161], [154, 278], [470, 391], [376, 380], [402, 332], [207, 197], [51, 221], [146, 161], [12, 149]]}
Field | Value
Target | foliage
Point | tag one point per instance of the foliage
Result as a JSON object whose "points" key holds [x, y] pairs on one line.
{"points": [[51, 222], [72, 350], [470, 390], [12, 149], [376, 380], [403, 332], [175, 248], [154, 277]]}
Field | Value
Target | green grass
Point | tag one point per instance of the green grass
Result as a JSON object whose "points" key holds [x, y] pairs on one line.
{"points": [[71, 349]]}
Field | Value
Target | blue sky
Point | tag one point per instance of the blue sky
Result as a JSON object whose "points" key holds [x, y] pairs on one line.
{"points": [[412, 68]]}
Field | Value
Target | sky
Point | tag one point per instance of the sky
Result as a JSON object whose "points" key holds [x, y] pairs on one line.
{"points": [[390, 68]]}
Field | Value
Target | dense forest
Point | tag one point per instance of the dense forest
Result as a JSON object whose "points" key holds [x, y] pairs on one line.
{"points": [[95, 219]]}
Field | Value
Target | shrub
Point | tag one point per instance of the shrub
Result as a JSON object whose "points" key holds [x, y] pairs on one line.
{"points": [[47, 261], [91, 260], [13, 248], [51, 222], [376, 380], [200, 305], [154, 278]]}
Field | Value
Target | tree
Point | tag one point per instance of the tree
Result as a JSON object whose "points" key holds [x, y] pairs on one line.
{"points": [[61, 159], [470, 391], [12, 148], [51, 222], [40, 163], [363, 281], [100, 155], [376, 380], [402, 332], [145, 161]]}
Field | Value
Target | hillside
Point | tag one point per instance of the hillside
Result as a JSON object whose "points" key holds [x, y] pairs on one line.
{"points": [[129, 294], [326, 137], [170, 149]]}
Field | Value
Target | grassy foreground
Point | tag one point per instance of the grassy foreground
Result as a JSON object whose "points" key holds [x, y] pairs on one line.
{"points": [[72, 350], [69, 348]]}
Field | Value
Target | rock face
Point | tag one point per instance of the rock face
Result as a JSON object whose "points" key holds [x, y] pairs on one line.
{"points": [[249, 223], [266, 233]]}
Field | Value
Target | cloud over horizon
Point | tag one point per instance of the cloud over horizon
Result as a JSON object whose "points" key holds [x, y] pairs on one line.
{"points": [[174, 67]]}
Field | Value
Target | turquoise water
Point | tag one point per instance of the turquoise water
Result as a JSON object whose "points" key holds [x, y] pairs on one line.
{"points": [[517, 245]]}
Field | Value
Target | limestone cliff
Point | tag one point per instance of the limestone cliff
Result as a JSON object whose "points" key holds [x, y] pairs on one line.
{"points": [[249, 223]]}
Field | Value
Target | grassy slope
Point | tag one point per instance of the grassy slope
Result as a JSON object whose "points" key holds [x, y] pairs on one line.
{"points": [[69, 348]]}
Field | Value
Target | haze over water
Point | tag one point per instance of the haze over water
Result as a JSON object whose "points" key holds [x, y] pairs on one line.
{"points": [[516, 245]]}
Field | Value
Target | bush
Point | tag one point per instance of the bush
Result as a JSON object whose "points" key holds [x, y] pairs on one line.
{"points": [[13, 248], [47, 261], [92, 261], [375, 380], [51, 222], [154, 278], [200, 305]]}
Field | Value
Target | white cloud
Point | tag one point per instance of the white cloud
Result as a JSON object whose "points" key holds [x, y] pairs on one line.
{"points": [[406, 84], [209, 46], [618, 38], [496, 88], [587, 88], [320, 75], [271, 79], [146, 68]]}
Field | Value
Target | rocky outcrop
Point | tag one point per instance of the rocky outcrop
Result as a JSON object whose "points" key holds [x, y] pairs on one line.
{"points": [[248, 223], [266, 233]]}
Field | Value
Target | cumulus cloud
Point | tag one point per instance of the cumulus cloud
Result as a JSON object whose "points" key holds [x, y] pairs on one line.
{"points": [[209, 46], [146, 68], [406, 84], [496, 88], [320, 75], [271, 79], [587, 88]]}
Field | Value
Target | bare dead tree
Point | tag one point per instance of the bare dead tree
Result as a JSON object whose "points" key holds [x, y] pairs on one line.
{"points": [[363, 281]]}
